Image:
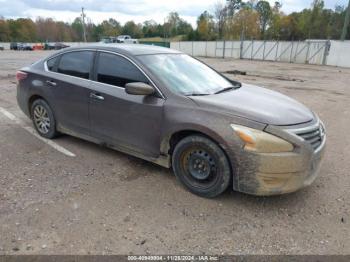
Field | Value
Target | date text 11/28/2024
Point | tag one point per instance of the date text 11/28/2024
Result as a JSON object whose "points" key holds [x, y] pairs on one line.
{"points": [[173, 258]]}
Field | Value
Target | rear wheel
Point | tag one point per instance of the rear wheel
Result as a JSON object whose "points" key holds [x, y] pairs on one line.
{"points": [[202, 166], [43, 119]]}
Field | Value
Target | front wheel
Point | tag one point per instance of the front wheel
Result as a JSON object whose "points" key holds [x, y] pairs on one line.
{"points": [[202, 166], [43, 119]]}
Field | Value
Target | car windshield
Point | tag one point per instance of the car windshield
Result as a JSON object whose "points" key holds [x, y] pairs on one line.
{"points": [[185, 75]]}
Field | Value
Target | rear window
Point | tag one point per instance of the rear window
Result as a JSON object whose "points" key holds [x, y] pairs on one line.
{"points": [[76, 64]]}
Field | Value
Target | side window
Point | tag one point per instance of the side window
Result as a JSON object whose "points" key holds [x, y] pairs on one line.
{"points": [[51, 63], [76, 64], [118, 71]]}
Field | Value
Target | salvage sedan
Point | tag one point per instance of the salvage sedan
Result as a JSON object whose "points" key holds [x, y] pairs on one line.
{"points": [[168, 108]]}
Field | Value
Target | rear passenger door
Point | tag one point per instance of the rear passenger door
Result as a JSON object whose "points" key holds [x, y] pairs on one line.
{"points": [[132, 122], [69, 86]]}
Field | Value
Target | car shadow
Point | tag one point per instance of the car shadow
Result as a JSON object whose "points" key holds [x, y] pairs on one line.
{"points": [[229, 198], [103, 150]]}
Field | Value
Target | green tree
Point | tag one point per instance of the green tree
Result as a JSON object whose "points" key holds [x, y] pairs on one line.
{"points": [[175, 25], [132, 29], [77, 30], [265, 13], [4, 30], [337, 22], [316, 19], [173, 21], [109, 27], [150, 28], [206, 26], [22, 29], [244, 24], [274, 29]]}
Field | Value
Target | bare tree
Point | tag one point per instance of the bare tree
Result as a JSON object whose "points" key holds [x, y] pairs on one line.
{"points": [[220, 11]]}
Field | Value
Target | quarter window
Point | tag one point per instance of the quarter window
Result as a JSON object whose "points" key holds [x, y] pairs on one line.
{"points": [[76, 64], [118, 71], [51, 63]]}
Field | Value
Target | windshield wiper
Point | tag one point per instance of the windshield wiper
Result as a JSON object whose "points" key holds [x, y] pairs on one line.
{"points": [[227, 89], [224, 90], [197, 94]]}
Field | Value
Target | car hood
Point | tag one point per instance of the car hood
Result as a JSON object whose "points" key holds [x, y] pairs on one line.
{"points": [[258, 104]]}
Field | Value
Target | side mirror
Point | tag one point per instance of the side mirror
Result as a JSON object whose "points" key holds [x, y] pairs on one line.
{"points": [[139, 88]]}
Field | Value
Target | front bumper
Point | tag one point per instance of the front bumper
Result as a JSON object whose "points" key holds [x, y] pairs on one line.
{"points": [[280, 173]]}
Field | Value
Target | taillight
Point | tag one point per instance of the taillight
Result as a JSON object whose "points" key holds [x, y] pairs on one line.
{"points": [[21, 76]]}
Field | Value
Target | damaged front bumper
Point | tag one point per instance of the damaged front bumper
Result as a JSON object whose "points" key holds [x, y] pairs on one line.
{"points": [[285, 172]]}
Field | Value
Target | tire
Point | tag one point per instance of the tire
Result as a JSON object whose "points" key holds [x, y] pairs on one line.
{"points": [[201, 166], [43, 119]]}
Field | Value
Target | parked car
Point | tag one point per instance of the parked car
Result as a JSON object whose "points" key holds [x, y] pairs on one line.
{"points": [[55, 46], [2, 48], [20, 46], [126, 39], [59, 46], [38, 46], [14, 46], [49, 46], [171, 109], [108, 40], [25, 47]]}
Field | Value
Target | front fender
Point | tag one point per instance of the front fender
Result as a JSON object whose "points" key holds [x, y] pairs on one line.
{"points": [[212, 124]]}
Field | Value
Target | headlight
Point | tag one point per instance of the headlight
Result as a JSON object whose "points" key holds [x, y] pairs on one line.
{"points": [[260, 141]]}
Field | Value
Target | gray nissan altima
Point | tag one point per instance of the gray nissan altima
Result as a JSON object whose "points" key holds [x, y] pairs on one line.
{"points": [[168, 108]]}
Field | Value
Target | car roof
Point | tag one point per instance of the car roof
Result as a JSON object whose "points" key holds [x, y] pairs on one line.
{"points": [[128, 49]]}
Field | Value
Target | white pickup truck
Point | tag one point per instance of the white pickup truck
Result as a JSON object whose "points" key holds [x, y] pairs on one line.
{"points": [[126, 39]]}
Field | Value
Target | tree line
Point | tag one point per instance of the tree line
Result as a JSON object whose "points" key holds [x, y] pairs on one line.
{"points": [[235, 19], [259, 20]]}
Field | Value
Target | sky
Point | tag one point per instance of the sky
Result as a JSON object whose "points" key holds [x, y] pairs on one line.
{"points": [[125, 10]]}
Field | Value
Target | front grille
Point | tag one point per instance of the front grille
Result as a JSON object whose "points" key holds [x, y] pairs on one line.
{"points": [[314, 135]]}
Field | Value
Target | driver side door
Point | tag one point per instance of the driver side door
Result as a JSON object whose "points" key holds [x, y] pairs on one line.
{"points": [[132, 122]]}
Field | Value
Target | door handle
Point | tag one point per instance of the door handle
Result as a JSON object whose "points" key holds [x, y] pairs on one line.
{"points": [[96, 96], [51, 83]]}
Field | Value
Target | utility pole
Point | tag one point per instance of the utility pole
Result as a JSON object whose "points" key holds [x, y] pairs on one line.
{"points": [[164, 29], [83, 23], [242, 40], [346, 23]]}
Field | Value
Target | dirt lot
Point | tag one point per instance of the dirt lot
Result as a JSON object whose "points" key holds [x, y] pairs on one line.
{"points": [[105, 202]]}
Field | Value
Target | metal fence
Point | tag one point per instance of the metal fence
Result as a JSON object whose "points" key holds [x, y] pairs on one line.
{"points": [[309, 52]]}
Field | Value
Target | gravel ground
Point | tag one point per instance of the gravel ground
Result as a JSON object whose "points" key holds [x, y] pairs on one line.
{"points": [[106, 202]]}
